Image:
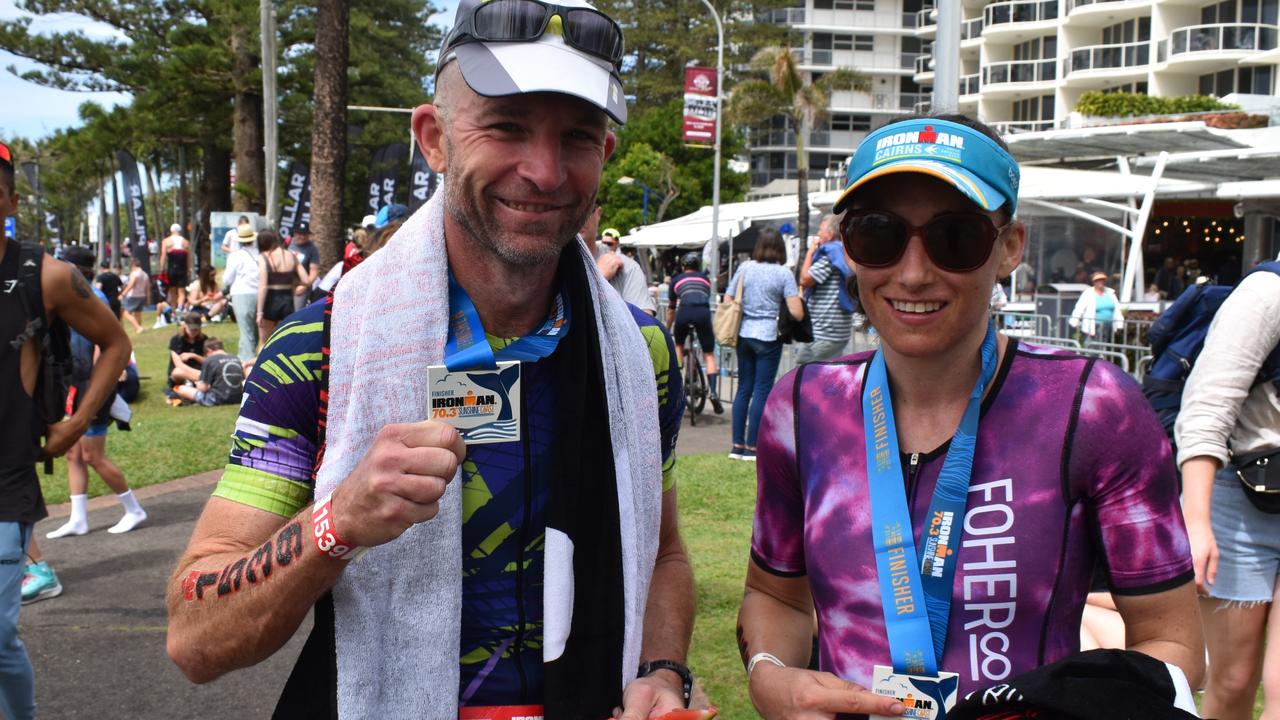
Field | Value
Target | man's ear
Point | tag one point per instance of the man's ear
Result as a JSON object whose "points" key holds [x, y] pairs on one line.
{"points": [[428, 129], [610, 142]]}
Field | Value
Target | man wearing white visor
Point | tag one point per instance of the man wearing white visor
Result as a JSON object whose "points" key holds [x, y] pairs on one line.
{"points": [[494, 425]]}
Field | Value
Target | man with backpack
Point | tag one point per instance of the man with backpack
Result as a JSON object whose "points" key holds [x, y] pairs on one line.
{"points": [[823, 276], [39, 297]]}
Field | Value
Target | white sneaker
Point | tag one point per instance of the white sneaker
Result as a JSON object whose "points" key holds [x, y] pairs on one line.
{"points": [[128, 522], [71, 527], [159, 323]]}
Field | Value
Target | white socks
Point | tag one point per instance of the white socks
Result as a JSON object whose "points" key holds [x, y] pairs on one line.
{"points": [[133, 513], [78, 524]]}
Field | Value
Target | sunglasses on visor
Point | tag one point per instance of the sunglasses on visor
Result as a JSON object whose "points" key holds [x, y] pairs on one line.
{"points": [[955, 242], [585, 29]]}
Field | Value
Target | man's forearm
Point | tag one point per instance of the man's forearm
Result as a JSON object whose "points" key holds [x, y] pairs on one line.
{"points": [[668, 617], [233, 609]]}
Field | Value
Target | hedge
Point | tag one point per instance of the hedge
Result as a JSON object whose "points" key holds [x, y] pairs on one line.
{"points": [[1103, 104]]}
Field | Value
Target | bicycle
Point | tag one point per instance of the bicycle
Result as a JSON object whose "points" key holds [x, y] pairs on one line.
{"points": [[696, 387]]}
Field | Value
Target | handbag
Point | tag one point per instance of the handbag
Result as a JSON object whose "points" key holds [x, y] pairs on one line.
{"points": [[792, 330], [1259, 473], [729, 316]]}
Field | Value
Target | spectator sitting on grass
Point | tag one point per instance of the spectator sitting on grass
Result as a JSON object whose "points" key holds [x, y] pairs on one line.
{"points": [[221, 379], [186, 351]]}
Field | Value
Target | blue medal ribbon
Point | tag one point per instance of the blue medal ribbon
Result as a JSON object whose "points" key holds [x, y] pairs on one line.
{"points": [[915, 589], [467, 348]]}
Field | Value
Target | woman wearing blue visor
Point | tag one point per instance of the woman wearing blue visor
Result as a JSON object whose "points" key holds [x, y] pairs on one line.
{"points": [[942, 503]]}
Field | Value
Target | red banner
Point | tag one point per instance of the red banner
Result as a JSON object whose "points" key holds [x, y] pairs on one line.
{"points": [[699, 105]]}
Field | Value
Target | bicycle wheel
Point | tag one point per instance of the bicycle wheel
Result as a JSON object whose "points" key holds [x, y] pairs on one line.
{"points": [[695, 384]]}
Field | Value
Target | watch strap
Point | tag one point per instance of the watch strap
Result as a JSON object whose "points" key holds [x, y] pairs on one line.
{"points": [[686, 677]]}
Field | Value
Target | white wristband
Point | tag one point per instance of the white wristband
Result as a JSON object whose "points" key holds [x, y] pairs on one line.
{"points": [[755, 660]]}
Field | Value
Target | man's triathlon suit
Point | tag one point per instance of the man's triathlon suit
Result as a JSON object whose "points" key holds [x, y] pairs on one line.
{"points": [[691, 299], [1071, 469], [176, 263], [504, 494]]}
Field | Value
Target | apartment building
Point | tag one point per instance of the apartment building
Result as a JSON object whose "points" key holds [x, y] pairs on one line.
{"points": [[1024, 63]]}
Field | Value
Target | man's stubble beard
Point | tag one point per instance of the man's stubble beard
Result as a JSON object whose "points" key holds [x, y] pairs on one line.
{"points": [[491, 237]]}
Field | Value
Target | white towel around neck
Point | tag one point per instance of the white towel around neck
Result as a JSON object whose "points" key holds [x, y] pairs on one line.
{"points": [[398, 609]]}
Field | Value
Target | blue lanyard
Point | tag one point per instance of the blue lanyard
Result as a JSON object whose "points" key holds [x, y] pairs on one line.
{"points": [[468, 349], [916, 597]]}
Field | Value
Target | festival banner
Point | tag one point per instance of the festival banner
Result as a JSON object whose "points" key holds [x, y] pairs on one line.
{"points": [[394, 156], [373, 197], [297, 214], [134, 209], [423, 180], [699, 105]]}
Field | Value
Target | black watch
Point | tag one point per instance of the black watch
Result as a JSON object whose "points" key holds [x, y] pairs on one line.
{"points": [[686, 677]]}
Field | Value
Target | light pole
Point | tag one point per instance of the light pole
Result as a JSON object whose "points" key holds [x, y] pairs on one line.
{"points": [[32, 170], [628, 180], [270, 108], [715, 177]]}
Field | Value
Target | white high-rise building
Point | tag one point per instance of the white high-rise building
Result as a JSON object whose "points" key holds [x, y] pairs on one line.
{"points": [[1024, 63]]}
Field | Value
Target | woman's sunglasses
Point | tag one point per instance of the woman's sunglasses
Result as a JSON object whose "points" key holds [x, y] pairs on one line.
{"points": [[586, 29], [955, 242]]}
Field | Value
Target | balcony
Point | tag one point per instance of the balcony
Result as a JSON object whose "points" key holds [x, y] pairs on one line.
{"points": [[1109, 60], [970, 84], [783, 16], [1100, 13], [924, 63], [1019, 12], [925, 19], [1013, 127], [1018, 72], [971, 29], [1203, 46]]}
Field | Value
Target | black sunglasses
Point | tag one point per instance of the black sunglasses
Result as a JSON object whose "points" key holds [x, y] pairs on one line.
{"points": [[585, 29], [955, 241]]}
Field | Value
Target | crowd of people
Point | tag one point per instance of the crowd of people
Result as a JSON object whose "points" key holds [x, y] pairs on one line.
{"points": [[501, 538]]}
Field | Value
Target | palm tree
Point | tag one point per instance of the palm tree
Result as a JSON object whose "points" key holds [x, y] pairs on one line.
{"points": [[792, 93]]}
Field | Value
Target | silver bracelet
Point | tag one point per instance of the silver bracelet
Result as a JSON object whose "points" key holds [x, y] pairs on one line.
{"points": [[755, 660]]}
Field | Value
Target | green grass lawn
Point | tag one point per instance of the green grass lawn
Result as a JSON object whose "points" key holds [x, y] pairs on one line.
{"points": [[166, 442], [717, 499]]}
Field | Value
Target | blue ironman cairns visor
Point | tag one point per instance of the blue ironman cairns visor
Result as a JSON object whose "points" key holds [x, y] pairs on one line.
{"points": [[957, 154]]}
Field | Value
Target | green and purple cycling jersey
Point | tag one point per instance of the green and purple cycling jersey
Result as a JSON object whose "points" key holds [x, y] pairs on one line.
{"points": [[504, 492], [1072, 472]]}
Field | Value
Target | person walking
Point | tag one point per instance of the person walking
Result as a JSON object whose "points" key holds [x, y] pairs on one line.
{"points": [[176, 251], [90, 451], [768, 288], [241, 280], [133, 296], [1229, 414], [279, 274], [824, 275], [1097, 312], [524, 556]]}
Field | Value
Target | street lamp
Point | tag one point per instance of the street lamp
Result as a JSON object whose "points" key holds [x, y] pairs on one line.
{"points": [[628, 180], [715, 182]]}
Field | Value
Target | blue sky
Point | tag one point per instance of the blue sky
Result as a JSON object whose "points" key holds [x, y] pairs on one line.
{"points": [[33, 111]]}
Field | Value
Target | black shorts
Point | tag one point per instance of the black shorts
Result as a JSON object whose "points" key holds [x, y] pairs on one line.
{"points": [[700, 319], [278, 306], [176, 272]]}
